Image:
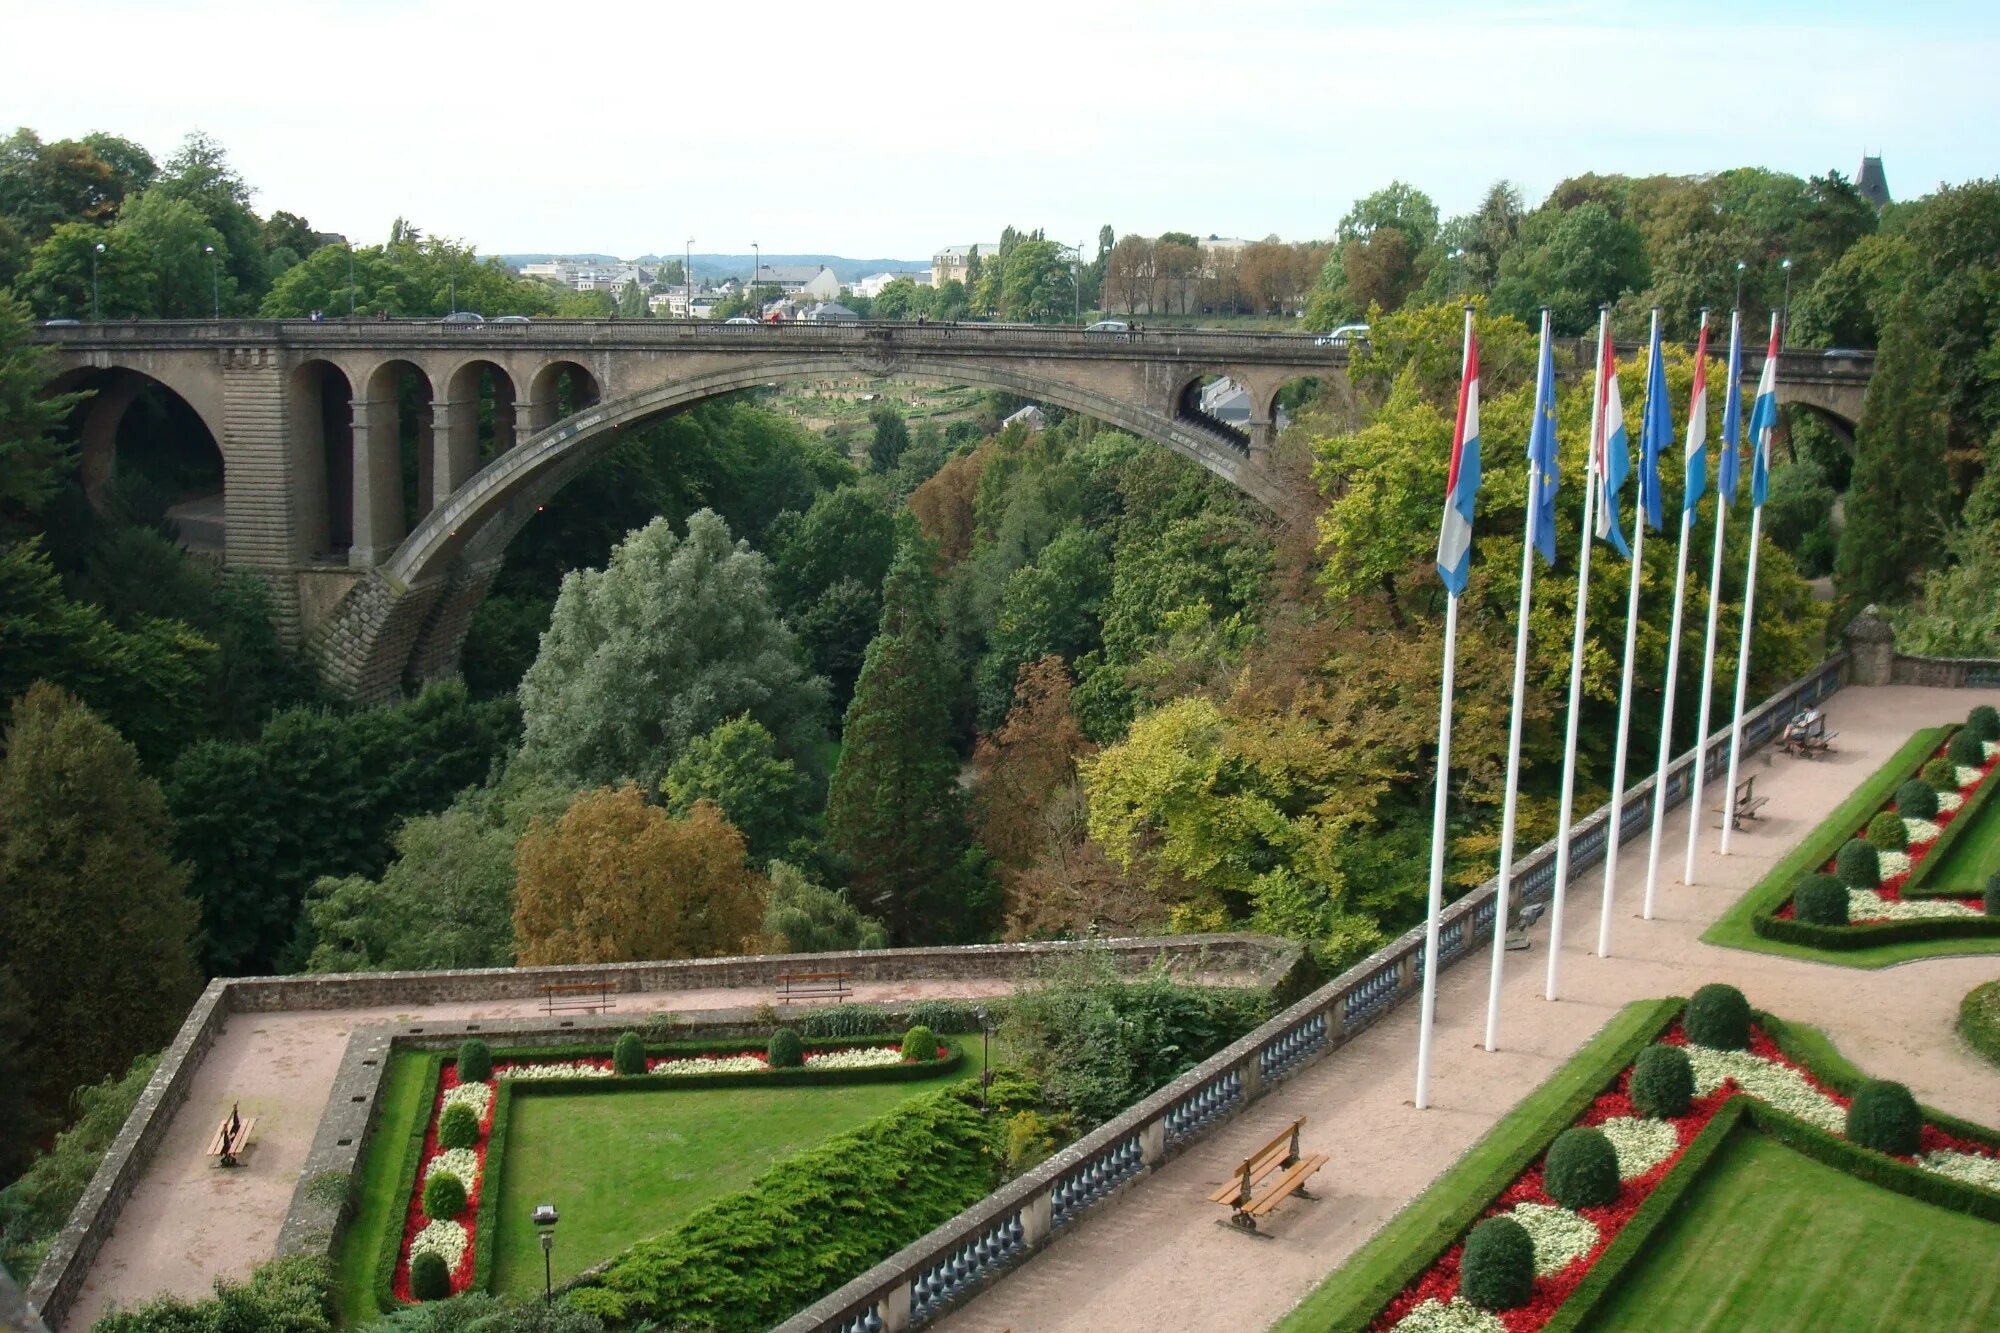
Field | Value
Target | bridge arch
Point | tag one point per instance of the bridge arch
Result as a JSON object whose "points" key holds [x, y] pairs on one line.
{"points": [[320, 421], [164, 439], [559, 389]]}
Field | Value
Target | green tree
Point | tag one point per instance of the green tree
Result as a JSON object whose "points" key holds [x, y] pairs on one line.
{"points": [[32, 462], [672, 637], [58, 283], [35, 1206], [1051, 606], [95, 920], [805, 917], [1572, 261], [895, 815], [846, 534], [1896, 503], [1036, 284], [43, 185], [200, 173], [175, 238], [736, 766], [632, 301], [1397, 206], [891, 437]]}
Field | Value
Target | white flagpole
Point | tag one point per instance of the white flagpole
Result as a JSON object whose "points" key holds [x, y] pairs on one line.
{"points": [[1514, 742], [1708, 656], [1743, 651], [1590, 485], [1438, 806], [1673, 680], [1617, 821]]}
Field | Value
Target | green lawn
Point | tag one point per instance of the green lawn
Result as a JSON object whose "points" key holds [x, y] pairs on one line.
{"points": [[1973, 857], [382, 1196], [1770, 1240], [624, 1166]]}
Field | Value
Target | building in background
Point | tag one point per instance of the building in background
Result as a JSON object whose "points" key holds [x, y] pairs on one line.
{"points": [[1872, 182], [950, 264]]}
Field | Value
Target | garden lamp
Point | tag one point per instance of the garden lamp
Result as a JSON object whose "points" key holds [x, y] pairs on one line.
{"points": [[985, 1057], [545, 1219]]}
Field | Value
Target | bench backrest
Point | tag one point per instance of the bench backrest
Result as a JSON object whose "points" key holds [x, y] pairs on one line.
{"points": [[1290, 1133], [814, 976], [584, 988]]}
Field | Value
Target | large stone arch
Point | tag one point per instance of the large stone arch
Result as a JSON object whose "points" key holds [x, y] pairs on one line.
{"points": [[319, 404], [111, 391]]}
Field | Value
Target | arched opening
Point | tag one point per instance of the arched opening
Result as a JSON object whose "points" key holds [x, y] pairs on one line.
{"points": [[322, 433], [148, 457], [478, 420], [1218, 405], [559, 389], [394, 444]]}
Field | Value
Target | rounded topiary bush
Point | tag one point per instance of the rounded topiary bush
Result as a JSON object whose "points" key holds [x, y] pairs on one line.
{"points": [[1884, 1116], [1886, 832], [1966, 749], [444, 1196], [1993, 894], [1940, 775], [475, 1061], [1497, 1270], [1662, 1081], [786, 1051], [1582, 1170], [920, 1043], [429, 1279], [1821, 900], [458, 1127], [1984, 722], [1859, 865], [628, 1054], [1916, 799], [1718, 1016]]}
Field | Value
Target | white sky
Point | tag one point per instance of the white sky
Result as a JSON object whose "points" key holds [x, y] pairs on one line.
{"points": [[879, 129]]}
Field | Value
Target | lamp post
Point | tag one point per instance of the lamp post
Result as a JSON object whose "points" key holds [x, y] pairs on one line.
{"points": [[1740, 266], [215, 277], [97, 250], [545, 1226], [756, 262], [350, 280], [687, 278], [454, 295], [1785, 318], [985, 1057]]}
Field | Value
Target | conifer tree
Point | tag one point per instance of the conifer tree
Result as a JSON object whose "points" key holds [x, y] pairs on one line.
{"points": [[1894, 503], [96, 928]]}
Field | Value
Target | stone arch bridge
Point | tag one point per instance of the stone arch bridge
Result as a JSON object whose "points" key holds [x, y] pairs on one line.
{"points": [[310, 418]]}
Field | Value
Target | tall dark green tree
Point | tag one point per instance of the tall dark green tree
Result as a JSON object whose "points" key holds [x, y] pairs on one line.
{"points": [[31, 462], [96, 929], [895, 817], [892, 437], [1897, 501]]}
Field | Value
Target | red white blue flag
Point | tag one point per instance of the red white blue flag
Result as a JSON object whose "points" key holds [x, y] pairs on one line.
{"points": [[1764, 422], [1454, 558], [1611, 451], [1697, 436]]}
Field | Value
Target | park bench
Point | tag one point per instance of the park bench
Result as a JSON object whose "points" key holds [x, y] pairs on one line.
{"points": [[230, 1138], [814, 986], [1806, 735], [589, 997], [1247, 1193], [1748, 803]]}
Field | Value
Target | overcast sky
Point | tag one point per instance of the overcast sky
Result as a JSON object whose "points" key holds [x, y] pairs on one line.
{"points": [[886, 130]]}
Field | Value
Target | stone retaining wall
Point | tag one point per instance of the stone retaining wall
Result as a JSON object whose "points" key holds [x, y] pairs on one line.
{"points": [[1952, 673]]}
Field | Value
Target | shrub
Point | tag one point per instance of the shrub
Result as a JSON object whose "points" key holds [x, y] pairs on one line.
{"points": [[1992, 902], [1917, 799], [920, 1043], [1821, 900], [458, 1127], [1984, 722], [475, 1061], [786, 1051], [1886, 832], [1965, 749], [1662, 1081], [628, 1054], [1497, 1271], [1858, 865], [1940, 775], [429, 1280], [839, 1020], [947, 1015], [293, 1294], [1884, 1116], [1718, 1016], [1582, 1169], [444, 1196]]}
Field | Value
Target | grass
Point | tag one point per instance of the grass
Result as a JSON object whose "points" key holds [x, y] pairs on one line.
{"points": [[1974, 856], [1768, 1239], [380, 1202], [625, 1166], [1733, 930], [1371, 1277]]}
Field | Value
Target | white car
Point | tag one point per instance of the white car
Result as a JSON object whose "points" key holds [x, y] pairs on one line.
{"points": [[739, 319], [1109, 326], [1343, 336]]}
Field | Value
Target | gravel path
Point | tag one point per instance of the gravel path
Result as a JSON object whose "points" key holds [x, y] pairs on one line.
{"points": [[1156, 1258]]}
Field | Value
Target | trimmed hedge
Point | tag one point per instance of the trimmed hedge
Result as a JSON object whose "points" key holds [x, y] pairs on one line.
{"points": [[1662, 1082], [1873, 933], [628, 1055], [1976, 807], [1941, 774], [1917, 799], [1888, 833], [1858, 864], [1966, 750], [785, 1050], [1979, 1019], [1582, 1170], [444, 1196], [458, 1127], [810, 1223], [1718, 1016], [1497, 1268], [411, 1173], [430, 1280], [920, 1043], [1809, 1047], [1884, 1116], [1984, 722], [489, 1199], [1821, 900], [475, 1061], [1991, 900]]}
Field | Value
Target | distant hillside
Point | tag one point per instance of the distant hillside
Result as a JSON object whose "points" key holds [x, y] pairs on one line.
{"points": [[515, 261], [725, 266]]}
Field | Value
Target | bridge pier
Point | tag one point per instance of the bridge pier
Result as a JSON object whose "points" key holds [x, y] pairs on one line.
{"points": [[378, 484], [454, 448], [1262, 435]]}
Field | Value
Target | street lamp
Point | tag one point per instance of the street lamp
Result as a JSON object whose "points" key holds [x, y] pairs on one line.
{"points": [[454, 295], [1740, 266], [985, 1057], [215, 276], [756, 262], [98, 250], [350, 280], [1785, 318], [687, 278], [545, 1227]]}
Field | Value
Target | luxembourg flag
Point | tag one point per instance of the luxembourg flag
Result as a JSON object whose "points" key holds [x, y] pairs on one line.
{"points": [[1764, 422], [1454, 558], [1697, 434], [1731, 462], [1611, 451]]}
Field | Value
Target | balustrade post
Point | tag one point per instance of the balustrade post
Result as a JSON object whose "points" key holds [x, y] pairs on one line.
{"points": [[1251, 1071], [1038, 1218], [1406, 970], [1336, 1021], [894, 1308], [1153, 1141]]}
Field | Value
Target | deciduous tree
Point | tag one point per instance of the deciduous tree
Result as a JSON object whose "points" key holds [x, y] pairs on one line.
{"points": [[736, 767]]}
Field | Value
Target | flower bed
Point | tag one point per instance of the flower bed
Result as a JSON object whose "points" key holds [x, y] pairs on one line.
{"points": [[1571, 1245]]}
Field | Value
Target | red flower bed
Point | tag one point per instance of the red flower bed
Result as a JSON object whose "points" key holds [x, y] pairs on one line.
{"points": [[414, 1219]]}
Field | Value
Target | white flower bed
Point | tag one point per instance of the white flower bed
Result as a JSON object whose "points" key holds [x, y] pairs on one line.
{"points": [[1893, 863], [1456, 1316], [1641, 1144], [871, 1057], [1561, 1237], [1922, 831], [1968, 1167], [728, 1064], [570, 1069], [1868, 905], [1990, 747], [1780, 1085], [1949, 801], [1967, 777], [445, 1239], [460, 1162], [476, 1095]]}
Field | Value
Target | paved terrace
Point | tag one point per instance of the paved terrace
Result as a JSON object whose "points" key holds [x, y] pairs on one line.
{"points": [[1154, 1258]]}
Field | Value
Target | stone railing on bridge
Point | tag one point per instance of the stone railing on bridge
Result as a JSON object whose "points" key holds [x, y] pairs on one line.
{"points": [[921, 1282]]}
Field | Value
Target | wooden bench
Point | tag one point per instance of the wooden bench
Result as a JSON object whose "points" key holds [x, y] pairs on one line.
{"points": [[1279, 1163], [590, 997], [815, 986], [230, 1138], [1748, 803]]}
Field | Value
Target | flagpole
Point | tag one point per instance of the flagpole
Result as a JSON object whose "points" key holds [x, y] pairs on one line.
{"points": [[1427, 1017], [1614, 825], [1674, 642], [1508, 808], [1722, 503], [1757, 446], [1591, 481]]}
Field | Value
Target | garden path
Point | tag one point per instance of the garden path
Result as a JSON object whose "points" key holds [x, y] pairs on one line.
{"points": [[1156, 1258]]}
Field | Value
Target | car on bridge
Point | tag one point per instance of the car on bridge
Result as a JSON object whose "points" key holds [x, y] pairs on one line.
{"points": [[463, 317], [1108, 326], [1344, 336], [511, 319]]}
